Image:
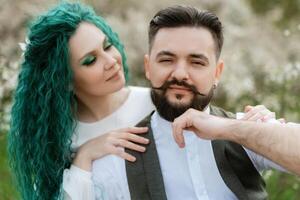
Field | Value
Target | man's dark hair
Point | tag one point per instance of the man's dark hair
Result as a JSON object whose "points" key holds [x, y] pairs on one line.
{"points": [[186, 16]]}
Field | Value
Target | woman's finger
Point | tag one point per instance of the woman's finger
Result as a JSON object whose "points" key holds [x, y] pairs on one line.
{"points": [[136, 130], [250, 111], [262, 110], [121, 153], [282, 120], [255, 117], [268, 116], [130, 145], [248, 108], [134, 138]]}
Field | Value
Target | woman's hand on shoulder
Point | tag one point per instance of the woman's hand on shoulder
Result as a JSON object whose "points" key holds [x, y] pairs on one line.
{"points": [[258, 113], [112, 142]]}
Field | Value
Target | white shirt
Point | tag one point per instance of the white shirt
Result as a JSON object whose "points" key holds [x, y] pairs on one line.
{"points": [[190, 173], [77, 183]]}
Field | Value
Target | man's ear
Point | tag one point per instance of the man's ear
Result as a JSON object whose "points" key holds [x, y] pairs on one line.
{"points": [[219, 70], [146, 66]]}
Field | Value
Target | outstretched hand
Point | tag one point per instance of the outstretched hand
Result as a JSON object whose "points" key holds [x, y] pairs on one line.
{"points": [[210, 127]]}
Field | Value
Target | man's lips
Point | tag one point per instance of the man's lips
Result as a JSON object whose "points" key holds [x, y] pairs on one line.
{"points": [[180, 89]]}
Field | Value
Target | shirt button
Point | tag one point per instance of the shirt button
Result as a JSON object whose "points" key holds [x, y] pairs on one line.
{"points": [[192, 157], [203, 192]]}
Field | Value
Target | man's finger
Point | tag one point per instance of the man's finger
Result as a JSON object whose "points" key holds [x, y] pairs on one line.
{"points": [[178, 126], [282, 120]]}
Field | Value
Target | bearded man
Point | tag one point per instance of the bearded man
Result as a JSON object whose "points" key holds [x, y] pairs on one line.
{"points": [[184, 68]]}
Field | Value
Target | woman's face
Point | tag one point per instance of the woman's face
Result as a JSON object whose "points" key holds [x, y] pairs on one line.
{"points": [[96, 63]]}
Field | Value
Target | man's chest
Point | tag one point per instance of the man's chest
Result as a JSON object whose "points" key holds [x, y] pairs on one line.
{"points": [[191, 172]]}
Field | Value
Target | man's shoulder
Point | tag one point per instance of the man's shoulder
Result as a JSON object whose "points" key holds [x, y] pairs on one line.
{"points": [[217, 111], [145, 122]]}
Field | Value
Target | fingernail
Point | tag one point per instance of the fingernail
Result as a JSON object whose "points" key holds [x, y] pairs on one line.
{"points": [[265, 118]]}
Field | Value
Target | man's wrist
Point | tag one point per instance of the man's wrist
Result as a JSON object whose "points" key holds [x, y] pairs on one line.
{"points": [[228, 130], [237, 131]]}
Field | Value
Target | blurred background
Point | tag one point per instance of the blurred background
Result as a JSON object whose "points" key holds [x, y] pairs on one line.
{"points": [[261, 54]]}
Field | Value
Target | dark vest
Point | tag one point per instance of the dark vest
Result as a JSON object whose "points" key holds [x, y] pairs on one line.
{"points": [[239, 174]]}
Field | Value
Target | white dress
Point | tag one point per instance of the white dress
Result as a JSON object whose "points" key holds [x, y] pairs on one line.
{"points": [[77, 183]]}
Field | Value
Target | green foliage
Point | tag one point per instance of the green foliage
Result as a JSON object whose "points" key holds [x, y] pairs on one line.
{"points": [[290, 10], [281, 186], [282, 87], [7, 190]]}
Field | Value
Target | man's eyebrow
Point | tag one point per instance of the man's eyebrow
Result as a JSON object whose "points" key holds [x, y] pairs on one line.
{"points": [[165, 53], [200, 56]]}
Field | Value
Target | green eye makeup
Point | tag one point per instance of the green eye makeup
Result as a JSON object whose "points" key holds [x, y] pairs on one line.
{"points": [[88, 60], [107, 44]]}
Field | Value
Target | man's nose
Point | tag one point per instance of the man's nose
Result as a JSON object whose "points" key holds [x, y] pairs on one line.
{"points": [[180, 72]]}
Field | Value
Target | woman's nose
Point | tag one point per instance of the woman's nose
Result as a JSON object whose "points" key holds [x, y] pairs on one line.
{"points": [[109, 61]]}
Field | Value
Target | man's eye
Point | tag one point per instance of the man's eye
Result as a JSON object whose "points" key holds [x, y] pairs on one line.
{"points": [[198, 63], [89, 60], [165, 60]]}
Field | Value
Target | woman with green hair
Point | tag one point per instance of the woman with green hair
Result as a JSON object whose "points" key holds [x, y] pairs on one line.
{"points": [[71, 93]]}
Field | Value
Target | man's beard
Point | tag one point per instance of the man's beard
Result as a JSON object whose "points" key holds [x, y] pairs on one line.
{"points": [[170, 111]]}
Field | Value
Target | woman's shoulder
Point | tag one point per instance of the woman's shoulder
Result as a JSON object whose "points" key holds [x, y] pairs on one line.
{"points": [[140, 97], [138, 89], [139, 93]]}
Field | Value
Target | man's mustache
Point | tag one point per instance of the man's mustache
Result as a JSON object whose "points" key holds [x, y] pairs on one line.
{"points": [[167, 85]]}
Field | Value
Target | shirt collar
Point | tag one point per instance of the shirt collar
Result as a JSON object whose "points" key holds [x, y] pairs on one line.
{"points": [[164, 126]]}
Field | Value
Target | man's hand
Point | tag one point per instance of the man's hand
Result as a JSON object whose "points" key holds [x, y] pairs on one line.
{"points": [[203, 125]]}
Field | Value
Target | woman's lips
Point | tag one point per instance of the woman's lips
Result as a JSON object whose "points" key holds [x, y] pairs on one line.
{"points": [[114, 76]]}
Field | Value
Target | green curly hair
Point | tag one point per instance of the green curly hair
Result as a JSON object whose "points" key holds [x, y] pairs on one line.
{"points": [[43, 116]]}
